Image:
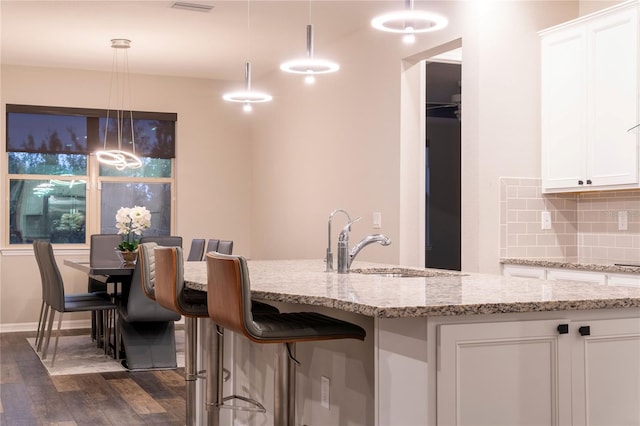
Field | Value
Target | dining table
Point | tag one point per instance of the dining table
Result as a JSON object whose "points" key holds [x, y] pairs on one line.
{"points": [[103, 269]]}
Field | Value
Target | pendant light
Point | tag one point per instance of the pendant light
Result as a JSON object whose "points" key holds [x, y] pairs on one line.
{"points": [[247, 96], [121, 88], [309, 66], [409, 22]]}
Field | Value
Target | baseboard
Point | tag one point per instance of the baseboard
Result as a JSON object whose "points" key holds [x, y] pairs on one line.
{"points": [[33, 326], [21, 327]]}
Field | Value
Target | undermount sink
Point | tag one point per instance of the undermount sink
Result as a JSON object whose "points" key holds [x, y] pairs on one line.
{"points": [[405, 272]]}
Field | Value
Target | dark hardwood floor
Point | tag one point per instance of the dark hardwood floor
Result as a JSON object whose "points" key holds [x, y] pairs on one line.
{"points": [[28, 396]]}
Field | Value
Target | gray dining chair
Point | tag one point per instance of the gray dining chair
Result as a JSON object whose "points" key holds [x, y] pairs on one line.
{"points": [[101, 249], [147, 329], [196, 252], [55, 300], [225, 247], [212, 245]]}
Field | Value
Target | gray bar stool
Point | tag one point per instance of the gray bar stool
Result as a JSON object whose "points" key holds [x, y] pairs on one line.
{"points": [[228, 295], [170, 292]]}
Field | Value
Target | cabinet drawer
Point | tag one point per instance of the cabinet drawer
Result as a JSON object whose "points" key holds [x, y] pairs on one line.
{"points": [[624, 280], [591, 277], [524, 272]]}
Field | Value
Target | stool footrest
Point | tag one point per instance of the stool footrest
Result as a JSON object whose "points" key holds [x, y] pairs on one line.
{"points": [[256, 406]]}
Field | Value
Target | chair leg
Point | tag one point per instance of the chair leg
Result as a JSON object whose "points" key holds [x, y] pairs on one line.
{"points": [[284, 410], [52, 314], [191, 367], [94, 328], [116, 334], [39, 321], [55, 346], [213, 384], [42, 324]]}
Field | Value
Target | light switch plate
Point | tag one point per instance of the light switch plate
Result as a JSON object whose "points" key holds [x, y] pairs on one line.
{"points": [[324, 391], [377, 220], [546, 220], [623, 220]]}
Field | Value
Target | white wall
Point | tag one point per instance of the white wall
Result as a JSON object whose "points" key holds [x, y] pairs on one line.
{"points": [[270, 179], [500, 110], [338, 144]]}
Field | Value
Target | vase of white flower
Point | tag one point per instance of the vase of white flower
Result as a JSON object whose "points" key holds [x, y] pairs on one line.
{"points": [[130, 222]]}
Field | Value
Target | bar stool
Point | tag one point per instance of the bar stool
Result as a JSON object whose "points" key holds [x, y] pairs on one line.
{"points": [[228, 292], [170, 292]]}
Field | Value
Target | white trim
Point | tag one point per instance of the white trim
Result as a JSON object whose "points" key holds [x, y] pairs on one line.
{"points": [[33, 326], [20, 327]]}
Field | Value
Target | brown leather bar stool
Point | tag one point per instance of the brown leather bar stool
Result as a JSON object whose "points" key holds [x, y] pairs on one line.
{"points": [[171, 293], [228, 294]]}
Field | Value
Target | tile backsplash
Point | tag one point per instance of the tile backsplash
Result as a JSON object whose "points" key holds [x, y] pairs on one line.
{"points": [[583, 225]]}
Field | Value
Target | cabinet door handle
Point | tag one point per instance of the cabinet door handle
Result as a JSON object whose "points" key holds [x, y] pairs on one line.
{"points": [[563, 329], [585, 330], [580, 182], [589, 182]]}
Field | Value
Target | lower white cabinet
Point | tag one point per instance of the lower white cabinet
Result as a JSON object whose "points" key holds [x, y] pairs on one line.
{"points": [[606, 372], [539, 372], [626, 280], [503, 373], [524, 271], [601, 278], [570, 275]]}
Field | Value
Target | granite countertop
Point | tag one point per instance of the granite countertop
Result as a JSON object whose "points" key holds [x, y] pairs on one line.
{"points": [[594, 265], [446, 293]]}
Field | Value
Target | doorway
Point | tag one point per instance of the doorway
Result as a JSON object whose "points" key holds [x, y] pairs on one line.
{"points": [[443, 161]]}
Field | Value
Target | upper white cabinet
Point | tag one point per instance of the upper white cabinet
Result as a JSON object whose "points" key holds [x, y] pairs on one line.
{"points": [[589, 99]]}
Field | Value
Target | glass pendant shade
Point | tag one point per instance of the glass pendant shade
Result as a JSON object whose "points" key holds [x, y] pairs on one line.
{"points": [[309, 66], [409, 22], [119, 158], [247, 96]]}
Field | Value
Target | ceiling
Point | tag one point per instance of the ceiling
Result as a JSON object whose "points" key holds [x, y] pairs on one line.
{"points": [[169, 41]]}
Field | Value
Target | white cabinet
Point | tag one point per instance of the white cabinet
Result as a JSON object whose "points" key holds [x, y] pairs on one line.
{"points": [[589, 99], [572, 275], [542, 372], [606, 372], [547, 273], [504, 373], [625, 280], [524, 271]]}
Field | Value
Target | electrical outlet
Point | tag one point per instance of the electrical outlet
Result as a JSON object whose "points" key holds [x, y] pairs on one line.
{"points": [[546, 220], [324, 391], [623, 220], [377, 220]]}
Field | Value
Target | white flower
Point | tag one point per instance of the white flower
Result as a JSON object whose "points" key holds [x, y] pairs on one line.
{"points": [[132, 221]]}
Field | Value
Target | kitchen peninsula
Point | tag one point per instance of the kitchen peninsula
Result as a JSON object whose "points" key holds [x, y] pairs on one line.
{"points": [[449, 347]]}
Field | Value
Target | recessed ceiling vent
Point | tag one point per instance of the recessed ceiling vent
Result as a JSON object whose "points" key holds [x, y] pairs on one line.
{"points": [[194, 7]]}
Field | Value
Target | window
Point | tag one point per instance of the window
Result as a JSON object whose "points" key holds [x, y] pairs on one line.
{"points": [[58, 190]]}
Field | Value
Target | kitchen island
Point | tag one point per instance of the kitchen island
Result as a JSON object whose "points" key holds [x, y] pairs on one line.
{"points": [[450, 347]]}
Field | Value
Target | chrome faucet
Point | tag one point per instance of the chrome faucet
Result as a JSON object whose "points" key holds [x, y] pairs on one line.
{"points": [[344, 256], [329, 258]]}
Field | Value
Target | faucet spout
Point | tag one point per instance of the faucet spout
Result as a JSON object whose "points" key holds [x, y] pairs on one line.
{"points": [[329, 256], [343, 247], [369, 239], [344, 256]]}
